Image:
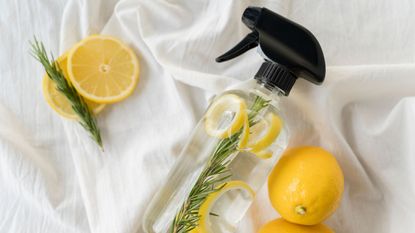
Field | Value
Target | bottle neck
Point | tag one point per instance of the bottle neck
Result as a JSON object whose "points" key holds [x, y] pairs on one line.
{"points": [[268, 92], [275, 75]]}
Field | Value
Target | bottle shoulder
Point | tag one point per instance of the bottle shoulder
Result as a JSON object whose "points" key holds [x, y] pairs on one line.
{"points": [[249, 96]]}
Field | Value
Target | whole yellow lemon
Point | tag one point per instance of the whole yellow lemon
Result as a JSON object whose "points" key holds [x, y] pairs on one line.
{"points": [[282, 226], [306, 185]]}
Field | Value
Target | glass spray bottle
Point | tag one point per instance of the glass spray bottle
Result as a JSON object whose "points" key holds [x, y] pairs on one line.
{"points": [[241, 136]]}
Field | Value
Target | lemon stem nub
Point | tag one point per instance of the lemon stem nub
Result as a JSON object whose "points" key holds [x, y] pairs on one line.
{"points": [[301, 210]]}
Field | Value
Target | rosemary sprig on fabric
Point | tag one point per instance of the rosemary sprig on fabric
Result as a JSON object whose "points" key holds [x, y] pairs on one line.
{"points": [[85, 117], [215, 172]]}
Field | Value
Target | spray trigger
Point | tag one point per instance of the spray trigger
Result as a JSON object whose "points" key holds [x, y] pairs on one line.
{"points": [[250, 41]]}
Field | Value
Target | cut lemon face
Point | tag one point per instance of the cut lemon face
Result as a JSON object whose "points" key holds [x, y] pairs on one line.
{"points": [[226, 116], [232, 189], [103, 69], [57, 101]]}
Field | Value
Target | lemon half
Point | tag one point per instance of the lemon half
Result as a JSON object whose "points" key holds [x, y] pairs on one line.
{"points": [[103, 69]]}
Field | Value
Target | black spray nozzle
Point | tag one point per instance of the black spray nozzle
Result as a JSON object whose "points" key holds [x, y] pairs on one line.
{"points": [[250, 17], [284, 43]]}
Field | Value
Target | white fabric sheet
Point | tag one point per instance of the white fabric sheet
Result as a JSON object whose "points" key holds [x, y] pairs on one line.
{"points": [[54, 179]]}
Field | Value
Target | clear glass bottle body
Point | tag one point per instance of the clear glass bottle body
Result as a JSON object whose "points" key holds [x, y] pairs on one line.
{"points": [[243, 166]]}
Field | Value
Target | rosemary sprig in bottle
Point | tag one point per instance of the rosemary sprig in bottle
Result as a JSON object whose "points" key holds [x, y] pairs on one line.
{"points": [[85, 117], [215, 172]]}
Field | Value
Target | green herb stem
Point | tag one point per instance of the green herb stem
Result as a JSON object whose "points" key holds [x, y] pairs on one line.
{"points": [[215, 173], [86, 118]]}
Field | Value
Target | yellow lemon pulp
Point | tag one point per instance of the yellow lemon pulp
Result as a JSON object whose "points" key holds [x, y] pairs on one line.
{"points": [[57, 101], [306, 185], [259, 137], [282, 226], [205, 208], [223, 108], [103, 69]]}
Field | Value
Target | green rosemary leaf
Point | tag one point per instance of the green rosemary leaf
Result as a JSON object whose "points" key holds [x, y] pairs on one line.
{"points": [[86, 118], [214, 214]]}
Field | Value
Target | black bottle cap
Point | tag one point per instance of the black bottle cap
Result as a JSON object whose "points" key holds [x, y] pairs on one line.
{"points": [[273, 75], [290, 50]]}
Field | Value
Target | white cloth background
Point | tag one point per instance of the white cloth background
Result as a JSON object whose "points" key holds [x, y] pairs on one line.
{"points": [[53, 178]]}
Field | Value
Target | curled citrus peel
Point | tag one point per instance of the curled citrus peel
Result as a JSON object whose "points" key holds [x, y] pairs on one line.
{"points": [[226, 108], [205, 209], [228, 115], [259, 137]]}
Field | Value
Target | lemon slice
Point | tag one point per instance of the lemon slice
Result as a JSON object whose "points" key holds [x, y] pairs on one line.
{"points": [[57, 101], [103, 69], [206, 207], [226, 116]]}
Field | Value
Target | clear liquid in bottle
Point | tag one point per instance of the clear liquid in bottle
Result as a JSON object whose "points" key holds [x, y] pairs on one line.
{"points": [[246, 171]]}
